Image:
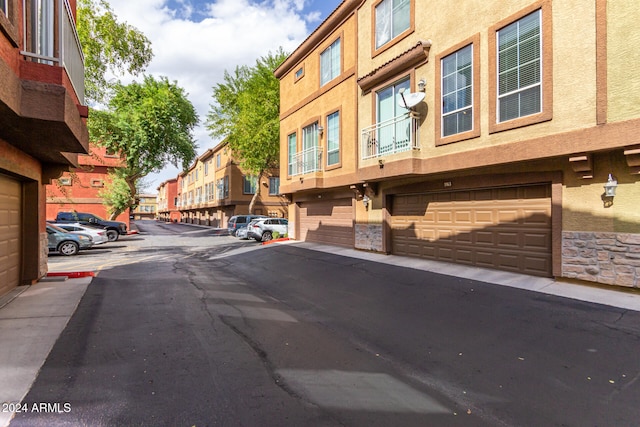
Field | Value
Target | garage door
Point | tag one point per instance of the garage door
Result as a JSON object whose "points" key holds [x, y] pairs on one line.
{"points": [[327, 221], [502, 228], [10, 202]]}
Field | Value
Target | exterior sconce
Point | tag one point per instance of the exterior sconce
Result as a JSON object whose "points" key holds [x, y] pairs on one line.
{"points": [[422, 84], [610, 187], [609, 191], [320, 130], [365, 201]]}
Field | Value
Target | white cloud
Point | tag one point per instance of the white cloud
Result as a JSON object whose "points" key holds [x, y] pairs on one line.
{"points": [[229, 33]]}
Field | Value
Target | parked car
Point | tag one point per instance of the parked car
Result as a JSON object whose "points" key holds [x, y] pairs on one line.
{"points": [[238, 222], [262, 230], [114, 228], [98, 234], [242, 233], [65, 243]]}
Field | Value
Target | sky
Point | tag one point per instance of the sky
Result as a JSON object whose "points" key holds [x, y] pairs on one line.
{"points": [[195, 41]]}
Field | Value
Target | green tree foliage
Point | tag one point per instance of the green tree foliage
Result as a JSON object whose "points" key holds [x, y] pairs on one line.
{"points": [[150, 124], [108, 45], [246, 112], [116, 195]]}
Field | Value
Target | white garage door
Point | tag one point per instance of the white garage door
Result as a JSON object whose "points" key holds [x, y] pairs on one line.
{"points": [[10, 202]]}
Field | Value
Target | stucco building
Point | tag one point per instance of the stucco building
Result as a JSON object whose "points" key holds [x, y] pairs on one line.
{"points": [[167, 201], [42, 127], [214, 189], [486, 141], [79, 189]]}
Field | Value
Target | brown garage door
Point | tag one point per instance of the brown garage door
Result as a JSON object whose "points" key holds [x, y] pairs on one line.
{"points": [[502, 228], [10, 201], [327, 221]]}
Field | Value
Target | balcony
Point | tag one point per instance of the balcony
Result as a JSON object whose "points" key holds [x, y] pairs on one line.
{"points": [[54, 43], [306, 161], [390, 137]]}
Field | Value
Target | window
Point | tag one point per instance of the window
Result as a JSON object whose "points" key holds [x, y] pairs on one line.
{"points": [[206, 168], [392, 18], [291, 153], [218, 161], [299, 74], [457, 92], [393, 119], [65, 181], [333, 139], [4, 7], [519, 68], [249, 184], [330, 63], [274, 185]]}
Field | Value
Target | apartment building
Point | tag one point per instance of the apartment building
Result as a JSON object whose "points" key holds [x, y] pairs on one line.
{"points": [[214, 189], [505, 141], [167, 201], [79, 188], [42, 127], [146, 207]]}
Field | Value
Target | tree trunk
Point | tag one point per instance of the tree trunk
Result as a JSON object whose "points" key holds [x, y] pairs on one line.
{"points": [[256, 195]]}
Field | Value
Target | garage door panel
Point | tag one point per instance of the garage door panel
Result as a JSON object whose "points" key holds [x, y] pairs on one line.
{"points": [[327, 221], [504, 228], [10, 243]]}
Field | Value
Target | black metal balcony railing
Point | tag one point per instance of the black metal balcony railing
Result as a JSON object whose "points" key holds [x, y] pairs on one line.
{"points": [[52, 44]]}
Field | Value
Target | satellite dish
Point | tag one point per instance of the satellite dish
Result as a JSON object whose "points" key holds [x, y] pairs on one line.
{"points": [[410, 100]]}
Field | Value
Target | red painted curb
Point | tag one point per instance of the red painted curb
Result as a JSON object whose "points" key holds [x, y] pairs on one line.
{"points": [[283, 239], [73, 275]]}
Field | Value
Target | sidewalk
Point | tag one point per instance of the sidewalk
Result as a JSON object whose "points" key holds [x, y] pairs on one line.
{"points": [[31, 320]]}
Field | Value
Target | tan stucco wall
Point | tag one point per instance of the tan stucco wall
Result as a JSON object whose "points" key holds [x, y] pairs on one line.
{"points": [[583, 207], [623, 57]]}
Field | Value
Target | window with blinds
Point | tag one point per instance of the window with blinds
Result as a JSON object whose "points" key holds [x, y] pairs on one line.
{"points": [[333, 139], [457, 92], [392, 18], [520, 68], [330, 63]]}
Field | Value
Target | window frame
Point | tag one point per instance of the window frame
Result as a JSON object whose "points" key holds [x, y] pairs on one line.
{"points": [[290, 154], [330, 51], [252, 180], [327, 129], [375, 49], [546, 76], [274, 185], [474, 41]]}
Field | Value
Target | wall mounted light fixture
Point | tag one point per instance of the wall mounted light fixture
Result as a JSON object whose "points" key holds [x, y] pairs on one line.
{"points": [[609, 191], [422, 84], [610, 186], [365, 201], [320, 130]]}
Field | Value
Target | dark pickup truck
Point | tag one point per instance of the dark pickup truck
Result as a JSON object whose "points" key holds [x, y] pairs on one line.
{"points": [[114, 228]]}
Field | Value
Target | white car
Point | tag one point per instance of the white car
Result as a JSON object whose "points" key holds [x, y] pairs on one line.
{"points": [[99, 235], [262, 229]]}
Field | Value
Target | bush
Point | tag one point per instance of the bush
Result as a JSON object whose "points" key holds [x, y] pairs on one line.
{"points": [[275, 235]]}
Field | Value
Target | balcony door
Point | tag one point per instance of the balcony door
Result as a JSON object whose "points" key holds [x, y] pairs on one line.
{"points": [[394, 131]]}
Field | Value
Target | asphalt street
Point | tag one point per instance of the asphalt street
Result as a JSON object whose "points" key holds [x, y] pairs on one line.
{"points": [[185, 327]]}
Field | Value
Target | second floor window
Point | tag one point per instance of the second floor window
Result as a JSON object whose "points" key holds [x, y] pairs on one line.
{"points": [[4, 7], [520, 68], [392, 18], [333, 139], [457, 92], [218, 161], [274, 186], [249, 184], [330, 63], [291, 153]]}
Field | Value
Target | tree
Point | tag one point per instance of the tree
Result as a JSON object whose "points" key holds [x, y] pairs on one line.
{"points": [[150, 124], [246, 113], [108, 45]]}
